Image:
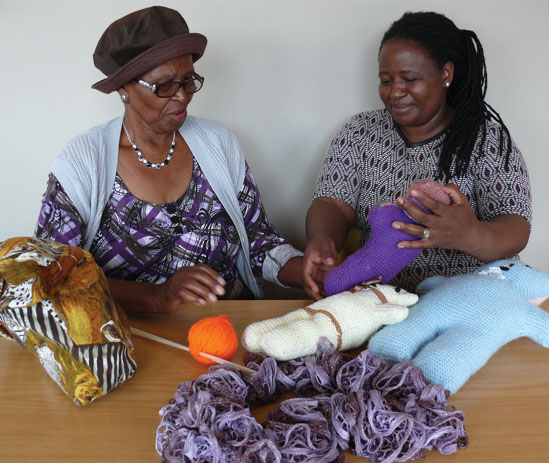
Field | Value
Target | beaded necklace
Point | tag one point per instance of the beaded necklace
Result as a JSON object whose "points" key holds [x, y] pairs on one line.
{"points": [[141, 158]]}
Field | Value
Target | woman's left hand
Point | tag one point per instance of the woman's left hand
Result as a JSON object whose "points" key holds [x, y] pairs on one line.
{"points": [[452, 226]]}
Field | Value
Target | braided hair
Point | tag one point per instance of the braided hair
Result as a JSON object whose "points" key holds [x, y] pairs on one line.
{"points": [[444, 42]]}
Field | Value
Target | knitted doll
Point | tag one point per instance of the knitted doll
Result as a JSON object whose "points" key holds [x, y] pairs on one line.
{"points": [[347, 319], [461, 321], [380, 256]]}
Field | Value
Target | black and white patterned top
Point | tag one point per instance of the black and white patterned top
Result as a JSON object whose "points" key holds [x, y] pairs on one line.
{"points": [[370, 162]]}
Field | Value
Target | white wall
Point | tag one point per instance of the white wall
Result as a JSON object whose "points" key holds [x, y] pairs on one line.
{"points": [[284, 75]]}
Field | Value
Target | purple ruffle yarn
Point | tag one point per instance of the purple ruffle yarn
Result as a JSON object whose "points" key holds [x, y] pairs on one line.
{"points": [[387, 414]]}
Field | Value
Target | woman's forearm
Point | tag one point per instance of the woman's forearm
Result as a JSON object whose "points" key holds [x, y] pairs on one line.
{"points": [[503, 237], [292, 272], [330, 218], [133, 296]]}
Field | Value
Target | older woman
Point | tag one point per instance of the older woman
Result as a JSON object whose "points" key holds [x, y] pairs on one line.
{"points": [[164, 201], [435, 125]]}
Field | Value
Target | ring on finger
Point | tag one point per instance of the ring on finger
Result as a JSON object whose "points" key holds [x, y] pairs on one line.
{"points": [[426, 233]]}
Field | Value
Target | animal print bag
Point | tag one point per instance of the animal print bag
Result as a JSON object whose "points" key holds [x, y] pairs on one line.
{"points": [[56, 303]]}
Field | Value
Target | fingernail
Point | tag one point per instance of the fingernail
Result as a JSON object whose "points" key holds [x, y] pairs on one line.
{"points": [[396, 226], [212, 297], [201, 301], [400, 200], [413, 193], [220, 290], [221, 281], [400, 246]]}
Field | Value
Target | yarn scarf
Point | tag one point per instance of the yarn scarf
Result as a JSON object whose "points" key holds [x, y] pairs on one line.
{"points": [[363, 405]]}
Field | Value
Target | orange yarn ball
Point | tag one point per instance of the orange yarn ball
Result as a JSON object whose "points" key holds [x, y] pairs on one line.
{"points": [[215, 336]]}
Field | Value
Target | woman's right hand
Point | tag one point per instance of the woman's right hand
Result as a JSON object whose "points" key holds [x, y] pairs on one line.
{"points": [[320, 257], [199, 284]]}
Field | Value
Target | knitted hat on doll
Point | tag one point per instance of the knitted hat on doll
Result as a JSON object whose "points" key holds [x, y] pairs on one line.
{"points": [[461, 321]]}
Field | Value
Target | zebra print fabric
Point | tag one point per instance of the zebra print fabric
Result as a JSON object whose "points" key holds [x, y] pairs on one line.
{"points": [[55, 302]]}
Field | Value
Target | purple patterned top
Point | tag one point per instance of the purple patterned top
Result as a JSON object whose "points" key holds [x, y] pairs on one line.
{"points": [[141, 241], [369, 162]]}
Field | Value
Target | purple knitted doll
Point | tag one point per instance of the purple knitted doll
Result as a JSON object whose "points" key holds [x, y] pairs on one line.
{"points": [[380, 257]]}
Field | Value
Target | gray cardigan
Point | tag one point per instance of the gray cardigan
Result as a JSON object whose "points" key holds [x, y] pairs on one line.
{"points": [[86, 168]]}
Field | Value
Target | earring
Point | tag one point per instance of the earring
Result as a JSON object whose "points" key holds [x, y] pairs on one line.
{"points": [[446, 84], [124, 99]]}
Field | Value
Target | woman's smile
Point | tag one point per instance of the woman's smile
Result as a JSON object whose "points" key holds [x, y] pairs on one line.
{"points": [[400, 108]]}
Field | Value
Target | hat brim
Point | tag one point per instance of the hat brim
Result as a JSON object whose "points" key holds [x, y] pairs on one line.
{"points": [[192, 44]]}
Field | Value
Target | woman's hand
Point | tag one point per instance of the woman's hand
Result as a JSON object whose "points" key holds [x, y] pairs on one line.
{"points": [[327, 226], [320, 257], [450, 226], [455, 226], [196, 285]]}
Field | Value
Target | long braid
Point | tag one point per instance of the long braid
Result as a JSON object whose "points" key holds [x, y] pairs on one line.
{"points": [[444, 42]]}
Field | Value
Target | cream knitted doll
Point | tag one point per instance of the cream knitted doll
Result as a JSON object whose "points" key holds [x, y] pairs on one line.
{"points": [[347, 319]]}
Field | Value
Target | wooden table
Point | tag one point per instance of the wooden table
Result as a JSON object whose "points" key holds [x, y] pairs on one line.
{"points": [[506, 403]]}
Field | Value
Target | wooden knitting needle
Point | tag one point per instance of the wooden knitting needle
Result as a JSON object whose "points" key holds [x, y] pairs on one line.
{"points": [[154, 337]]}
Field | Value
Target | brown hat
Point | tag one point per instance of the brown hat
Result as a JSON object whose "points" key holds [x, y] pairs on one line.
{"points": [[141, 41]]}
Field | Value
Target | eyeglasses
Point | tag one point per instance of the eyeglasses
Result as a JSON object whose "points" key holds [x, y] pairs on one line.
{"points": [[169, 89]]}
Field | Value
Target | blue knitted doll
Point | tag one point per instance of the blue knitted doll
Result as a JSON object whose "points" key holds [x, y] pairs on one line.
{"points": [[460, 322]]}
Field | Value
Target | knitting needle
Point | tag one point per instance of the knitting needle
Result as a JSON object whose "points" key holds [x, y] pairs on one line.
{"points": [[154, 337]]}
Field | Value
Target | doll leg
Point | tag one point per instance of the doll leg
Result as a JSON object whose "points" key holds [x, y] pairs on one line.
{"points": [[251, 337], [451, 358], [297, 339], [402, 341], [379, 257]]}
